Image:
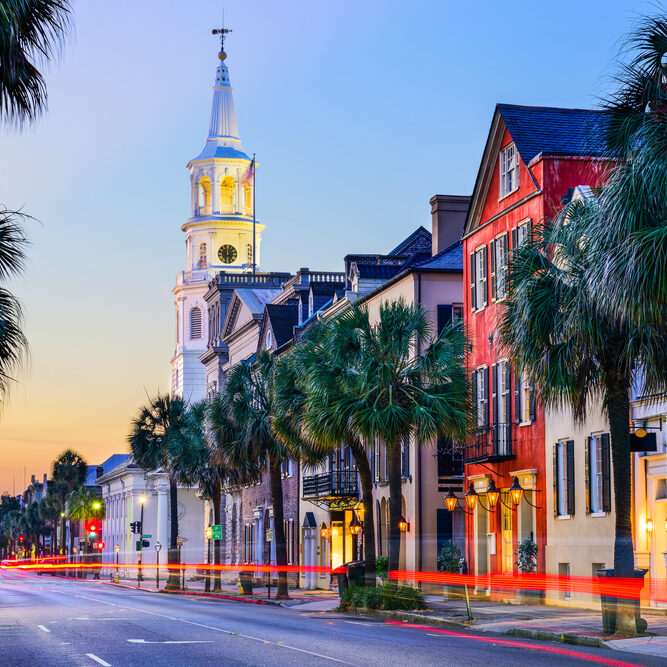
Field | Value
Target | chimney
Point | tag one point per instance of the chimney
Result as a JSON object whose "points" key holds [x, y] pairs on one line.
{"points": [[32, 479], [99, 471], [448, 215]]}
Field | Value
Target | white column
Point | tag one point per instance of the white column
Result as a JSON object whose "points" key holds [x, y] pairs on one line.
{"points": [[162, 532]]}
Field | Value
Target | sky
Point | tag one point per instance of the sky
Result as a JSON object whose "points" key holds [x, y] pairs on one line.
{"points": [[358, 112]]}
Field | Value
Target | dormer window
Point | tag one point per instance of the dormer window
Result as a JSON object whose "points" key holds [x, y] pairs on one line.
{"points": [[509, 170], [269, 339]]}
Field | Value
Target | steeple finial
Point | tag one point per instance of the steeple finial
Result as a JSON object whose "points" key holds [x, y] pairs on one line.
{"points": [[223, 32]]}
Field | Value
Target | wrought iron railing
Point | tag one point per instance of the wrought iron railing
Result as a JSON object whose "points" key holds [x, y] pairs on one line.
{"points": [[489, 443], [331, 484]]}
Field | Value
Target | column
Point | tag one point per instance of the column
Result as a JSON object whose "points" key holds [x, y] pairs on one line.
{"points": [[162, 527]]}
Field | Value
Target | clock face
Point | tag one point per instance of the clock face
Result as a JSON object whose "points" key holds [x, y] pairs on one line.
{"points": [[227, 254]]}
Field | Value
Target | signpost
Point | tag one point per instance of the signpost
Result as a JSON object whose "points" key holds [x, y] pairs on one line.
{"points": [[216, 531]]}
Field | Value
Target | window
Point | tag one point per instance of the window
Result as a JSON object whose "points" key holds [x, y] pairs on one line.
{"points": [[564, 574], [499, 255], [521, 233], [524, 399], [195, 323], [249, 253], [227, 188], [480, 391], [380, 462], [509, 170], [507, 536], [500, 390], [203, 262], [478, 273], [405, 456], [457, 313], [269, 339], [287, 467], [598, 474], [289, 540], [564, 478]]}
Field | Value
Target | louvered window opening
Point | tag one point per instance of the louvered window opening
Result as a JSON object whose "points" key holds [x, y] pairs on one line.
{"points": [[195, 324]]}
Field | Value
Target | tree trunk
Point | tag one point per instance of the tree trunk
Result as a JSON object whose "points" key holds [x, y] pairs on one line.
{"points": [[394, 465], [174, 579], [618, 412], [217, 491], [62, 532], [361, 459], [278, 524]]}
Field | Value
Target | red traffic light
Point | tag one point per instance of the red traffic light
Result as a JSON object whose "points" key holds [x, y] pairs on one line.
{"points": [[21, 538], [91, 528], [100, 546]]}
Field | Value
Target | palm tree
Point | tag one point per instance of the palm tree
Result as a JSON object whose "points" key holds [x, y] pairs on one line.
{"points": [[309, 382], [84, 504], [627, 231], [49, 511], [151, 432], [71, 468], [399, 380], [555, 329], [250, 400], [30, 31]]}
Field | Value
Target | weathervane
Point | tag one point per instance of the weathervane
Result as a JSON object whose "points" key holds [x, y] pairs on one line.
{"points": [[223, 32]]}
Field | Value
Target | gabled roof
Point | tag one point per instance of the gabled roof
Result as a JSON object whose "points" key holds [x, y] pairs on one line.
{"points": [[553, 130], [254, 298], [112, 462], [448, 259], [419, 240], [376, 271], [281, 320]]}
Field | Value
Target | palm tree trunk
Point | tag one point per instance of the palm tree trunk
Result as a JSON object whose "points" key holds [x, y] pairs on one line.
{"points": [[394, 465], [618, 409], [217, 491], [278, 524], [174, 579], [364, 468]]}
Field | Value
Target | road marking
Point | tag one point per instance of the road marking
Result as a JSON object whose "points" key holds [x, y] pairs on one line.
{"points": [[227, 632], [104, 663], [358, 623], [184, 641], [41, 627]]}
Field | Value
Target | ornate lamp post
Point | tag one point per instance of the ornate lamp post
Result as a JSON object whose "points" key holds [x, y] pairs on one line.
{"points": [[158, 546]]}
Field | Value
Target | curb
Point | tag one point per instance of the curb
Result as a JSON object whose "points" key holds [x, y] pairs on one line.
{"points": [[560, 637], [405, 617]]}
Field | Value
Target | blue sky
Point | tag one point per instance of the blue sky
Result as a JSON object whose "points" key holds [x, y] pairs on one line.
{"points": [[358, 111]]}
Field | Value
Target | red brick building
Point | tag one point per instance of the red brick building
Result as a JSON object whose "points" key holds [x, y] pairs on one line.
{"points": [[533, 159]]}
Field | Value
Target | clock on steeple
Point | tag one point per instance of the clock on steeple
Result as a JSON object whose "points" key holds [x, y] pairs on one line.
{"points": [[227, 254]]}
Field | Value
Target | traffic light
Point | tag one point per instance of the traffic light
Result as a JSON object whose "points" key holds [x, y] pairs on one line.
{"points": [[100, 546], [21, 538], [136, 527], [145, 543]]}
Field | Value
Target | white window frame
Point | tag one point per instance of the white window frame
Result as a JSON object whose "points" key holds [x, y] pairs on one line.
{"points": [[457, 312], [501, 250], [481, 279], [525, 400], [509, 170], [595, 474], [482, 407], [522, 232], [561, 472]]}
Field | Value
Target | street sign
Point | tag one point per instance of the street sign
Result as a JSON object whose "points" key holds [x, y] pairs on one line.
{"points": [[179, 541], [216, 531], [269, 535], [146, 537], [138, 545]]}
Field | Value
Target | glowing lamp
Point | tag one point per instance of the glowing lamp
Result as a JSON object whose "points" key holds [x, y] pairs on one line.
{"points": [[403, 524], [209, 533], [471, 497], [100, 546], [142, 499], [649, 527], [359, 509], [450, 501], [324, 531], [355, 526], [96, 505], [640, 432], [516, 492], [116, 549], [492, 494]]}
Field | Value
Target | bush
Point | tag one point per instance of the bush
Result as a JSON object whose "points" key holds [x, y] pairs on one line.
{"points": [[448, 558], [526, 559], [382, 566], [383, 597]]}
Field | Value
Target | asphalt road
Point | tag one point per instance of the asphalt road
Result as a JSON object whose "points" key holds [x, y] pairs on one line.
{"points": [[53, 621]]}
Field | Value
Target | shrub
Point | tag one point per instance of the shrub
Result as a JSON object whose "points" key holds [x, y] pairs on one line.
{"points": [[526, 557], [383, 597], [448, 558], [382, 566]]}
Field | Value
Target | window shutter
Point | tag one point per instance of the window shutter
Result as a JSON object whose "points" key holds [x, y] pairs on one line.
{"points": [[555, 471], [444, 316], [531, 399], [606, 473], [475, 405], [372, 463], [485, 377], [517, 398], [569, 471], [485, 273], [195, 323], [473, 283], [514, 238], [494, 284], [494, 398], [529, 230], [587, 458]]}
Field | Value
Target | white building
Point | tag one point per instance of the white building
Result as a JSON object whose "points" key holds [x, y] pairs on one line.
{"points": [[218, 235]]}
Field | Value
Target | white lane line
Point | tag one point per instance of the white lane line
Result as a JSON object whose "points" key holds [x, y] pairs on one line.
{"points": [[359, 623], [183, 641], [104, 663], [227, 632], [41, 627]]}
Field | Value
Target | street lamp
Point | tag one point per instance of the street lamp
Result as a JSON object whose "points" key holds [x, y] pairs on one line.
{"points": [[403, 524], [209, 534], [492, 495], [142, 501], [324, 531], [649, 527], [471, 497], [117, 550], [158, 546], [516, 492]]}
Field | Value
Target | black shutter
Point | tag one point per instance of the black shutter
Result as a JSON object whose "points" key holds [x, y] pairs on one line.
{"points": [[444, 316], [556, 480], [606, 473], [570, 476], [531, 399], [494, 398], [589, 481], [508, 406], [485, 375], [494, 284], [475, 403], [529, 230], [514, 238], [473, 284], [517, 398], [485, 273]]}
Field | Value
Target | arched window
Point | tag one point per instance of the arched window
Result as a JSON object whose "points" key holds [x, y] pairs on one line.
{"points": [[203, 263], [247, 199], [249, 253], [195, 323], [204, 188], [227, 188]]}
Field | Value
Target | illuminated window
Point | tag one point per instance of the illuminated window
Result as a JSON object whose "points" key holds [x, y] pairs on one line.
{"points": [[204, 195], [509, 170], [227, 188]]}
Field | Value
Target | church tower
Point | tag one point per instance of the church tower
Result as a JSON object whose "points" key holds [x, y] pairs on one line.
{"points": [[218, 234]]}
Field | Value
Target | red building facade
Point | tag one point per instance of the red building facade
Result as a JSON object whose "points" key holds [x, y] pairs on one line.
{"points": [[534, 157]]}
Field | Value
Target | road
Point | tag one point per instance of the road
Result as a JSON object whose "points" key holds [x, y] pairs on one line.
{"points": [[53, 621]]}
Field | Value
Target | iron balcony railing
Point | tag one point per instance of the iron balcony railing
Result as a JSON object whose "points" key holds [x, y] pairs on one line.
{"points": [[335, 483], [492, 442]]}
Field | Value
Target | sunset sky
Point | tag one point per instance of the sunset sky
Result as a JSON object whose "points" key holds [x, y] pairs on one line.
{"points": [[358, 111]]}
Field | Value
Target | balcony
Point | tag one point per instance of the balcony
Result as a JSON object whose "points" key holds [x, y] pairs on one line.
{"points": [[492, 442], [331, 485]]}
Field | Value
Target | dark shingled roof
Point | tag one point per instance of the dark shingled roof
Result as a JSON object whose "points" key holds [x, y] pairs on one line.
{"points": [[552, 130], [378, 271], [283, 319], [449, 259], [325, 288]]}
